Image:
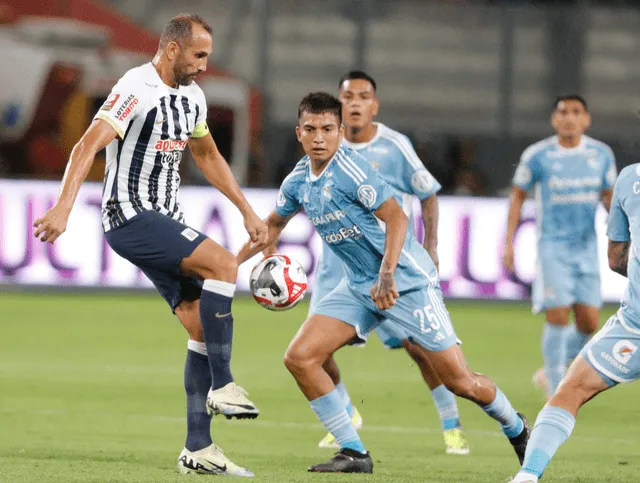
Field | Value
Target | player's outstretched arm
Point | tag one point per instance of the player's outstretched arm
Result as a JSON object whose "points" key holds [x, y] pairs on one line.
{"points": [[518, 195], [430, 219], [54, 222], [217, 171], [618, 254], [384, 292], [275, 224]]}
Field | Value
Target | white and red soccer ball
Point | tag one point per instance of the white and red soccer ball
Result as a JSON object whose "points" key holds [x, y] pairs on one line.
{"points": [[278, 282]]}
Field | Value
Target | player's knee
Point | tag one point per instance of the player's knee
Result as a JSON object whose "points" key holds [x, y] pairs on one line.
{"points": [[188, 312], [461, 386], [295, 360], [222, 266]]}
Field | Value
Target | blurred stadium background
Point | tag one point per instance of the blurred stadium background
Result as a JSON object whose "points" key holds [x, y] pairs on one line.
{"points": [[470, 82]]}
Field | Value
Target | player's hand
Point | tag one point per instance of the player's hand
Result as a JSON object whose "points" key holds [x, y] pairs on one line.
{"points": [[384, 292], [257, 230], [507, 257], [53, 224]]}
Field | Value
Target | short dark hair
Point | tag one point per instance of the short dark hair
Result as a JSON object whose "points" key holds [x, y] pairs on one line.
{"points": [[180, 28], [570, 97], [319, 103], [357, 74]]}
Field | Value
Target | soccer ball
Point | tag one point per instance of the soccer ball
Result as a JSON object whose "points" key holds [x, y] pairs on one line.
{"points": [[278, 282]]}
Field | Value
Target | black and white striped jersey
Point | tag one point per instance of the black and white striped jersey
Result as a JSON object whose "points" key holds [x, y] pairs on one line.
{"points": [[154, 123]]}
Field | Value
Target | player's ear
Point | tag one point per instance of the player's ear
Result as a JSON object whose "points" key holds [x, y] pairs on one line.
{"points": [[172, 50], [299, 134], [587, 121], [341, 131], [376, 106]]}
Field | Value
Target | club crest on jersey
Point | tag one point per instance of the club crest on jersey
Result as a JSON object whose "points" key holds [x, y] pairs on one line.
{"points": [[367, 195], [375, 165], [110, 102], [326, 191], [593, 162]]}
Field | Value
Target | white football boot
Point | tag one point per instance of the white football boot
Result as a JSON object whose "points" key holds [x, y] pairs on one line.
{"points": [[523, 478], [209, 461], [232, 402]]}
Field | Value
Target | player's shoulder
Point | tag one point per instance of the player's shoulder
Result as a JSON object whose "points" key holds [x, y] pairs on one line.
{"points": [[538, 148], [139, 76], [395, 139], [631, 172], [349, 166], [298, 173], [602, 147]]}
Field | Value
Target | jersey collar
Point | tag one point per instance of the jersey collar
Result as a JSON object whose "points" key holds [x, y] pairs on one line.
{"points": [[313, 177], [580, 147]]}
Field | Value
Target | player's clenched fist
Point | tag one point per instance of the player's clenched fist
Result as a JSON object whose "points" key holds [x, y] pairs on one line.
{"points": [[257, 229], [53, 224], [384, 292]]}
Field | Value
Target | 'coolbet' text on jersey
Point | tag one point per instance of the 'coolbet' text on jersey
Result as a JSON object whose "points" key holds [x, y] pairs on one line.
{"points": [[340, 203], [613, 351], [154, 123], [568, 187], [391, 154]]}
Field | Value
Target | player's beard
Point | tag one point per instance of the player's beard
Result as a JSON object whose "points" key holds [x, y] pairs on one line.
{"points": [[180, 74]]}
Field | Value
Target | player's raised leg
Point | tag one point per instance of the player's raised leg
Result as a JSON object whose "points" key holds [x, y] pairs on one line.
{"points": [[423, 315], [200, 455], [219, 269], [556, 421]]}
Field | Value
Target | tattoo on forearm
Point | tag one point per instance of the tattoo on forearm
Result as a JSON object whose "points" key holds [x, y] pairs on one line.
{"points": [[621, 258]]}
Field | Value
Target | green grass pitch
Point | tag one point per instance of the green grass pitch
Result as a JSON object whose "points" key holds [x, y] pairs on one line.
{"points": [[91, 391]]}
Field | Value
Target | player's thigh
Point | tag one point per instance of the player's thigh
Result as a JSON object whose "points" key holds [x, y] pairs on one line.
{"points": [[390, 334], [154, 241], [422, 315], [211, 260], [554, 282], [581, 383], [352, 308], [317, 339], [175, 289], [612, 352]]}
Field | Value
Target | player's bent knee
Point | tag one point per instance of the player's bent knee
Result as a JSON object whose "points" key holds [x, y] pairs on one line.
{"points": [[296, 361], [221, 265]]}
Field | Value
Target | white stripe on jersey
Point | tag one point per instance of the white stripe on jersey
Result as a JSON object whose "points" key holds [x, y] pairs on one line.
{"points": [[347, 172], [417, 265], [350, 162], [404, 146], [349, 167]]}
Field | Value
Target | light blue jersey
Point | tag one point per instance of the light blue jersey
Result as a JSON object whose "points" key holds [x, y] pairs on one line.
{"points": [[340, 203], [392, 155], [613, 350], [568, 186]]}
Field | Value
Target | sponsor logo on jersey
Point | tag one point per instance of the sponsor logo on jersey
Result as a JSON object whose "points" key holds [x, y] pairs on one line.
{"points": [[170, 145], [281, 200], [328, 217], [110, 102], [367, 195], [343, 233], [557, 183], [623, 350], [127, 106]]}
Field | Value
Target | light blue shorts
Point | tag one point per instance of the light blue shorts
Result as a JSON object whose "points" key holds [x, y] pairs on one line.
{"points": [[565, 277], [420, 314], [612, 352]]}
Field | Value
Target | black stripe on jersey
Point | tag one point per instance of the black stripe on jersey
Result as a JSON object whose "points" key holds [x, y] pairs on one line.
{"points": [[165, 119], [177, 132], [137, 159], [187, 111], [153, 180], [114, 212], [177, 129]]}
